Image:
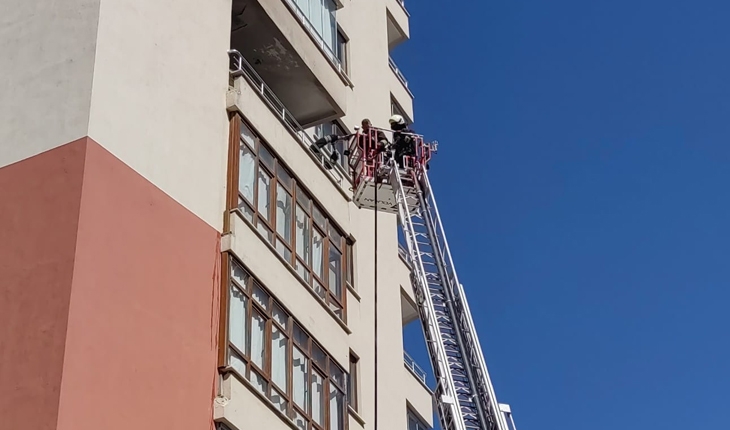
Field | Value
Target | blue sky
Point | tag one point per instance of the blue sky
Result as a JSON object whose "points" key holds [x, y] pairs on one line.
{"points": [[583, 175]]}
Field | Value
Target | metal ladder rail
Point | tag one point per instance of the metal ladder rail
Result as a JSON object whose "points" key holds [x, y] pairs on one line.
{"points": [[465, 319], [473, 358], [445, 391], [473, 411], [477, 405]]}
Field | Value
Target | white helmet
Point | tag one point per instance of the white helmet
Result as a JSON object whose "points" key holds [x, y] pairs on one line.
{"points": [[397, 119]]}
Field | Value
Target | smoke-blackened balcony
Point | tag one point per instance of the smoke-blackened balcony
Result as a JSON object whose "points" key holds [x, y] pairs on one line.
{"points": [[294, 46]]}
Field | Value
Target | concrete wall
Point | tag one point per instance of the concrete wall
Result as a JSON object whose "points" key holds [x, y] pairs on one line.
{"points": [[39, 215], [142, 302], [158, 99], [47, 50], [106, 308]]}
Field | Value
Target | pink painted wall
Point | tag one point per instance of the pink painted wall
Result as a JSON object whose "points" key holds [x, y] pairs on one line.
{"points": [[39, 210], [142, 330]]}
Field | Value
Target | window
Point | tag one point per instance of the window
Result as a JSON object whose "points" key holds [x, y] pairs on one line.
{"points": [[414, 423], [269, 348], [334, 127], [352, 384], [322, 16], [341, 50], [272, 199], [395, 109]]}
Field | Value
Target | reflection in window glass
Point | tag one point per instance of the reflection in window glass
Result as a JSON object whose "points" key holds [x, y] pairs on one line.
{"points": [[337, 420], [283, 213], [278, 358], [299, 379], [246, 173], [302, 270], [258, 381], [337, 374], [247, 136], [264, 193], [319, 219], [337, 309], [284, 177], [257, 340], [246, 209], [301, 337], [237, 362], [237, 319], [335, 272], [303, 199], [317, 253], [318, 398], [239, 275], [278, 400], [319, 289], [261, 296], [302, 235], [264, 231], [335, 236], [319, 357], [300, 421], [266, 157], [280, 315]]}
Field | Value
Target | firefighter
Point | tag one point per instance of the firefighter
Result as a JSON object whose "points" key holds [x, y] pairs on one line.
{"points": [[403, 142]]}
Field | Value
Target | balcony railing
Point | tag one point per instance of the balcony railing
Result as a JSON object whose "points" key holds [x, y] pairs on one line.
{"points": [[240, 67], [414, 368], [319, 40], [399, 74]]}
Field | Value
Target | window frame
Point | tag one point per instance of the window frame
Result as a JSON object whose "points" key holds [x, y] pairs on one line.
{"points": [[412, 416], [396, 109], [353, 382], [342, 49], [266, 224], [307, 348], [335, 127]]}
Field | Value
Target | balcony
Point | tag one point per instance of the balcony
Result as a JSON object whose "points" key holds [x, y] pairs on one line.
{"points": [[401, 77], [398, 23], [240, 69], [415, 369], [400, 92], [292, 56]]}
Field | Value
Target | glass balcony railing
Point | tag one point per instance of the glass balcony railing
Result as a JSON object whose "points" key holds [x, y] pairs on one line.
{"points": [[327, 49], [414, 368], [399, 74], [240, 67]]}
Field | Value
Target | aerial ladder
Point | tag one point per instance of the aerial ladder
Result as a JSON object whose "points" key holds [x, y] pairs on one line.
{"points": [[464, 395]]}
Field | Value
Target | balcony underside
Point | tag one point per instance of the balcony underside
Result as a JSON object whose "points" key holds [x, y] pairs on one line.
{"points": [[282, 52]]}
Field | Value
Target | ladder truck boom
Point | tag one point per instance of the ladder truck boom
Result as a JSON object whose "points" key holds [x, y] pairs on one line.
{"points": [[464, 394]]}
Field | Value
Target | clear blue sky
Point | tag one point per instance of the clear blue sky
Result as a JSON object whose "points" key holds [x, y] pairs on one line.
{"points": [[583, 179]]}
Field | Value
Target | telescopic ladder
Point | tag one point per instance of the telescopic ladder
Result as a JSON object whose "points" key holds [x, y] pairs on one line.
{"points": [[464, 394]]}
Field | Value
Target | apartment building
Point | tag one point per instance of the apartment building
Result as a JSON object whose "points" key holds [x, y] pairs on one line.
{"points": [[172, 254]]}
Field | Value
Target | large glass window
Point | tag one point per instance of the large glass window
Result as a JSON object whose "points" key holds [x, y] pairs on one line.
{"points": [[271, 198], [414, 423], [315, 399], [342, 50], [322, 16], [334, 127]]}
